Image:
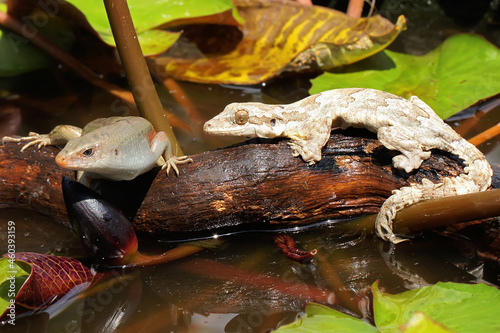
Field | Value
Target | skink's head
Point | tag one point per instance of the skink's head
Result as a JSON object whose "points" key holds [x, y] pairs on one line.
{"points": [[79, 154], [248, 119]]}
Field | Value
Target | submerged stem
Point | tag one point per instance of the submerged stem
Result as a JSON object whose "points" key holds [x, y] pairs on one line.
{"points": [[486, 135], [176, 253]]}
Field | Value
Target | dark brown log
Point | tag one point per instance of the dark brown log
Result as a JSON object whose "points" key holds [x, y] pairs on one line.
{"points": [[261, 183], [258, 184], [32, 180]]}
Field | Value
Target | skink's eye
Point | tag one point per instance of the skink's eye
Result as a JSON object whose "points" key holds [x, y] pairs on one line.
{"points": [[88, 152], [241, 117]]}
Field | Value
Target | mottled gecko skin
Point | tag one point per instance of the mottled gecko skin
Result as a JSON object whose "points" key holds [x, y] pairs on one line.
{"points": [[408, 126], [116, 148]]}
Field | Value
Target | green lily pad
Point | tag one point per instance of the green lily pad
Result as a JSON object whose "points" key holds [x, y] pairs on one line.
{"points": [[458, 73], [442, 308], [459, 307], [319, 318], [148, 16], [20, 56], [421, 323]]}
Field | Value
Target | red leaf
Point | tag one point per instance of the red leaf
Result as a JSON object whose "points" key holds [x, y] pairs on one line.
{"points": [[51, 278]]}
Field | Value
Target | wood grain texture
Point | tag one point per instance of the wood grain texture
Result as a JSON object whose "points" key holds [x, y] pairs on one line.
{"points": [[32, 180]]}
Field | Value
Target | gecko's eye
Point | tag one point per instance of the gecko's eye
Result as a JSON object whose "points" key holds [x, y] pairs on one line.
{"points": [[88, 152], [273, 122], [241, 117]]}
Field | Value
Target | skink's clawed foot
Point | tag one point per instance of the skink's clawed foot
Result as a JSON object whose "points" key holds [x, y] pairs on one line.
{"points": [[173, 161], [41, 140]]}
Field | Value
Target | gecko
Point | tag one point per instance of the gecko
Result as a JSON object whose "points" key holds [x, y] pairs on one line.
{"points": [[115, 148], [406, 125]]}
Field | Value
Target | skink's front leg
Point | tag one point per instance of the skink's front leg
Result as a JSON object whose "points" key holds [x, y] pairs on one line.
{"points": [[168, 160], [59, 136]]}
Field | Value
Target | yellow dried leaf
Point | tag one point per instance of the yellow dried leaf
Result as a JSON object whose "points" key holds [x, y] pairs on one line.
{"points": [[275, 33]]}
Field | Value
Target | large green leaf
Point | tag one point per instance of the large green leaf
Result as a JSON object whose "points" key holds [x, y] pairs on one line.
{"points": [[320, 318], [18, 55], [459, 307], [421, 323], [444, 307], [455, 75], [149, 15]]}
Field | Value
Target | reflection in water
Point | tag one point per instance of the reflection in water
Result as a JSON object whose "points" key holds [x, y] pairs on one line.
{"points": [[250, 286]]}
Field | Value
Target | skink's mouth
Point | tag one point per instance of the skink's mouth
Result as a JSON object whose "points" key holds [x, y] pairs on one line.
{"points": [[62, 161]]}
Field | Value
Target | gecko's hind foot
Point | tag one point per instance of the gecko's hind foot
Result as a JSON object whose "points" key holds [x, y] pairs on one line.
{"points": [[41, 140], [410, 162], [172, 162]]}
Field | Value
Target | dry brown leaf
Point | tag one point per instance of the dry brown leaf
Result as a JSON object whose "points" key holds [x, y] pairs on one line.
{"points": [[274, 34]]}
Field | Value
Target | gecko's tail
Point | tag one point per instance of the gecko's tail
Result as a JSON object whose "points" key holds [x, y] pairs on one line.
{"points": [[477, 169], [476, 178]]}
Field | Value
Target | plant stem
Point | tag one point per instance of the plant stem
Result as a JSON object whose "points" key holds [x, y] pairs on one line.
{"points": [[343, 294], [179, 252], [439, 212], [355, 8], [180, 97], [486, 135], [135, 67]]}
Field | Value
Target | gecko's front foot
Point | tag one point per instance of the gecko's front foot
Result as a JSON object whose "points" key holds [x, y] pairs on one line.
{"points": [[172, 162], [41, 140]]}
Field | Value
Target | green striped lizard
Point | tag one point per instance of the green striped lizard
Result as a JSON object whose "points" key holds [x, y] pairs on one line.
{"points": [[115, 148]]}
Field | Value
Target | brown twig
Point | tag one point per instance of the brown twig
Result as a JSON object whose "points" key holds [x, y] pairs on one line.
{"points": [[372, 8], [136, 69], [248, 278], [355, 8], [345, 297], [486, 135], [180, 96], [468, 123], [179, 252]]}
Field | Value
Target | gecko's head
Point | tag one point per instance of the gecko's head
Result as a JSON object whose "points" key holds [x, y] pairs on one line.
{"points": [[80, 155], [248, 119]]}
